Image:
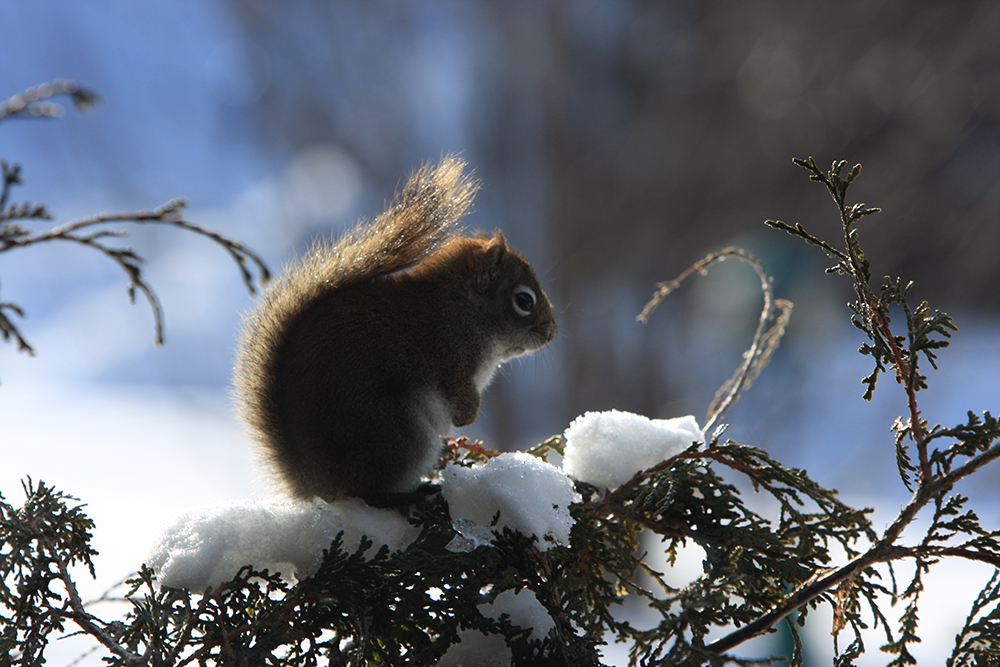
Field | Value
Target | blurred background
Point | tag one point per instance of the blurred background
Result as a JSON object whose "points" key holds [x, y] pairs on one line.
{"points": [[618, 141]]}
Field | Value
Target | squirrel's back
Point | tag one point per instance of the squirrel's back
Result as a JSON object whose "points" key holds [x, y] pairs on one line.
{"points": [[352, 366]]}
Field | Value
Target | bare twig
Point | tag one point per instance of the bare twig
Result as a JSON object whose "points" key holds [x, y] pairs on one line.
{"points": [[771, 327]]}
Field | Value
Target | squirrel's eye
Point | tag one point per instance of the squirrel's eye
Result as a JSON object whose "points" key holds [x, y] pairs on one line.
{"points": [[524, 300]]}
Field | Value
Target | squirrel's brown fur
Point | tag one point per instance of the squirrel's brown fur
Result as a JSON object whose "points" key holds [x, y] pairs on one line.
{"points": [[372, 347]]}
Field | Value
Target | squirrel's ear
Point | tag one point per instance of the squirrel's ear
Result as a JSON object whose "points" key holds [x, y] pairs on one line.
{"points": [[492, 255], [495, 249]]}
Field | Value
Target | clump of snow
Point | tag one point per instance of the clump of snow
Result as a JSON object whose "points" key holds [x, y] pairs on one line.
{"points": [[475, 648], [532, 497], [607, 448], [524, 610], [207, 547]]}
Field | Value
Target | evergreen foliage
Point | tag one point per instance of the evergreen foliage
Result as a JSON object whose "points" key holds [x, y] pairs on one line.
{"points": [[408, 607]]}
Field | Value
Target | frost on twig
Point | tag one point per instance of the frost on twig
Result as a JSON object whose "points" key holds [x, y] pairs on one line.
{"points": [[35, 101]]}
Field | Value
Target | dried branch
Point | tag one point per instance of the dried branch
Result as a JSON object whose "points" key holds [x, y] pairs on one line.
{"points": [[771, 327]]}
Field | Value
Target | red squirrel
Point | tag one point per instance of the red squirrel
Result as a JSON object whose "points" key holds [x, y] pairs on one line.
{"points": [[360, 360]]}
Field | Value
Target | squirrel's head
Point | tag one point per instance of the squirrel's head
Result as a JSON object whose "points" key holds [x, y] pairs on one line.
{"points": [[506, 291], [498, 293]]}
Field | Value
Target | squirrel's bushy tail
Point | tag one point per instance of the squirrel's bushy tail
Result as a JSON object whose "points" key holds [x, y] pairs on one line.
{"points": [[422, 217]]}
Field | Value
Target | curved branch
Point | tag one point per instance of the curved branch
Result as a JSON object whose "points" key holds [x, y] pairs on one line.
{"points": [[774, 317], [126, 258], [31, 103]]}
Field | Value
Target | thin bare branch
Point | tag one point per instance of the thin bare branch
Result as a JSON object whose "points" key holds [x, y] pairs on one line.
{"points": [[774, 318]]}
